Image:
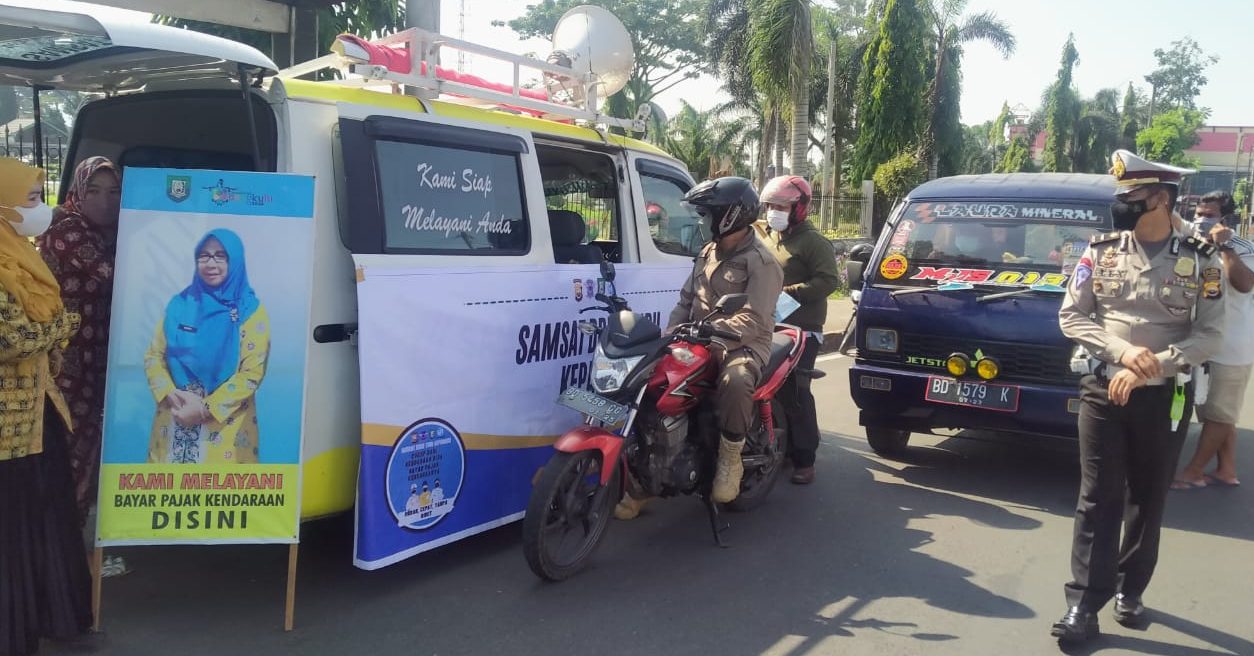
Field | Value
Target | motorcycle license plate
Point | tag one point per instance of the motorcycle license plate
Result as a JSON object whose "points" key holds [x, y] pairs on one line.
{"points": [[592, 404], [987, 396]]}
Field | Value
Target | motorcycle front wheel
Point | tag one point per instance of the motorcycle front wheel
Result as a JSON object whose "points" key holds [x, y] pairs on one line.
{"points": [[568, 513]]}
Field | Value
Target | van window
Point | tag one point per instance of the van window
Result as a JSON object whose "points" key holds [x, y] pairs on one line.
{"points": [[989, 243], [581, 194], [673, 228], [437, 198]]}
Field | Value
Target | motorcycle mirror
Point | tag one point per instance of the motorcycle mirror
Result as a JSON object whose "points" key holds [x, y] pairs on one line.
{"points": [[607, 270], [731, 303]]}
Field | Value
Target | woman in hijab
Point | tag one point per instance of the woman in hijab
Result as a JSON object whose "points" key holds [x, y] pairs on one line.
{"points": [[45, 588], [207, 360], [80, 248]]}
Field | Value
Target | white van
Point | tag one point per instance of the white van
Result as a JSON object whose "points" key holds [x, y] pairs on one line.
{"points": [[173, 99]]}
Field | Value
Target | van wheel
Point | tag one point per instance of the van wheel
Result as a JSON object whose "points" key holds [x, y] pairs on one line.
{"points": [[887, 442]]}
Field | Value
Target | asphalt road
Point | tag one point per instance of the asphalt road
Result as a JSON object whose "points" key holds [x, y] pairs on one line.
{"points": [[961, 549]]}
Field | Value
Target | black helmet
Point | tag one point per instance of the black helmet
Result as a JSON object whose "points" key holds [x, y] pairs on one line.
{"points": [[725, 204]]}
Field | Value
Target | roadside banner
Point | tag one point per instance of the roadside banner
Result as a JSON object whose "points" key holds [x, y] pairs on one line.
{"points": [[205, 390], [460, 374]]}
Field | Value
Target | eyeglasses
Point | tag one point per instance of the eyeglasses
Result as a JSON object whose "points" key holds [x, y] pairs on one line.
{"points": [[217, 257]]}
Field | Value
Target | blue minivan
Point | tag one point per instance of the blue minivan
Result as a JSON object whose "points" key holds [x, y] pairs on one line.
{"points": [[957, 311]]}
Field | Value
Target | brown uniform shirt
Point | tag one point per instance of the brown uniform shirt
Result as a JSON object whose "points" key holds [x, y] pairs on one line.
{"points": [[1119, 298], [749, 269]]}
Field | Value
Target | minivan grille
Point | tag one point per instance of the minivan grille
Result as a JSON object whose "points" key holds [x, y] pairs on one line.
{"points": [[1018, 362]]}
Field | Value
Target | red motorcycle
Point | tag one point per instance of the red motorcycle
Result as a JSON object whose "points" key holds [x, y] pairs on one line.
{"points": [[649, 413]]}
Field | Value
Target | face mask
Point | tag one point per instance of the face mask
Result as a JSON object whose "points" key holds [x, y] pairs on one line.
{"points": [[1126, 215], [35, 220], [966, 244], [777, 219]]}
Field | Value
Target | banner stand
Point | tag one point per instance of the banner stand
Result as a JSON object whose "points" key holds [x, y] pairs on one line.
{"points": [[97, 561], [289, 604], [289, 612]]}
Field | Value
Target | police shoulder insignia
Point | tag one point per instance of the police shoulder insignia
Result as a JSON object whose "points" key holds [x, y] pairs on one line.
{"points": [[1103, 238], [1200, 245], [1212, 287]]}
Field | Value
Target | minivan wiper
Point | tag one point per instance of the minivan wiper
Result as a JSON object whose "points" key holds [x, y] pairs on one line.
{"points": [[1018, 292], [952, 287]]}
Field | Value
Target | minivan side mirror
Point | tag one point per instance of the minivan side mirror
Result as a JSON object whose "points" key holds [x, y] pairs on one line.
{"points": [[853, 273], [731, 303], [861, 253]]}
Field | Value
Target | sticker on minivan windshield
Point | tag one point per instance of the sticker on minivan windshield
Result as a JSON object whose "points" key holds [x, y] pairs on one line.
{"points": [[894, 266], [1050, 281], [929, 212]]}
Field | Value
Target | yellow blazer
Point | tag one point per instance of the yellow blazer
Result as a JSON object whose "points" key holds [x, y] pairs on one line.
{"points": [[231, 436], [26, 376]]}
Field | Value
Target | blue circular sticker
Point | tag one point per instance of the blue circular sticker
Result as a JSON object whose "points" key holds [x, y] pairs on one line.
{"points": [[425, 474]]}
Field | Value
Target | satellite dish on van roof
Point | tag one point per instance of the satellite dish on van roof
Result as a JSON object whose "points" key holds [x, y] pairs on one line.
{"points": [[596, 45]]}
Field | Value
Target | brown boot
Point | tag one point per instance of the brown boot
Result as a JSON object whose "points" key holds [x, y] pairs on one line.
{"points": [[803, 475], [629, 507], [729, 471]]}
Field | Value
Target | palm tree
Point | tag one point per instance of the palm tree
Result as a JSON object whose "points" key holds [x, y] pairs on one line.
{"points": [[950, 31], [1097, 132], [703, 142], [765, 47]]}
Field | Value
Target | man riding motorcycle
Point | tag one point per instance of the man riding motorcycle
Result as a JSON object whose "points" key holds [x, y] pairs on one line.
{"points": [[735, 261]]}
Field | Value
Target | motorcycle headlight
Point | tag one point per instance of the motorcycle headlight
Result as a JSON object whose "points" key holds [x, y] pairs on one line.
{"points": [[608, 374]]}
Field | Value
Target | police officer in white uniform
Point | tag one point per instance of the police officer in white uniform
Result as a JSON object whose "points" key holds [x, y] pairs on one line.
{"points": [[1144, 301]]}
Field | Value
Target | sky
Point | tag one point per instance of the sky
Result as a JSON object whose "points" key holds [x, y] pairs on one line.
{"points": [[1116, 40]]}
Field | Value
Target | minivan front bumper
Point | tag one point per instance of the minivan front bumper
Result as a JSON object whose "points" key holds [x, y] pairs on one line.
{"points": [[894, 398]]}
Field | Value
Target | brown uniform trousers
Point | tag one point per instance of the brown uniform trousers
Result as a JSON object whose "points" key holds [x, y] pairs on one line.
{"points": [[750, 269]]}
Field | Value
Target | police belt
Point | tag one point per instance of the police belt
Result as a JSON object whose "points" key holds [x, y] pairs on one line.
{"points": [[1108, 371]]}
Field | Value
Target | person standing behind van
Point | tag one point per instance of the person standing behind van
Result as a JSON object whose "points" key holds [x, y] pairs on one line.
{"points": [[45, 587], [1131, 305], [1229, 368], [79, 248], [809, 277]]}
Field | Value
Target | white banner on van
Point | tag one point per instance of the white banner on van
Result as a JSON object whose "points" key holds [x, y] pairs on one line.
{"points": [[460, 373]]}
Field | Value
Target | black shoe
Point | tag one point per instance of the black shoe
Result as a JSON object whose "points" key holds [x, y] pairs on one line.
{"points": [[1129, 611], [1078, 625]]}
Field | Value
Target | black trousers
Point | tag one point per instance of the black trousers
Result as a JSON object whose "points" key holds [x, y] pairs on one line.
{"points": [[1127, 460], [799, 409]]}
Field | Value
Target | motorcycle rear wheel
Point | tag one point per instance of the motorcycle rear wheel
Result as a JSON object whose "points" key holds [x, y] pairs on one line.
{"points": [[568, 498], [758, 483]]}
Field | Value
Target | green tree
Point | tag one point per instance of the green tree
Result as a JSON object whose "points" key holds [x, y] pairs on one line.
{"points": [[950, 31], [896, 177], [1180, 75], [891, 111], [1062, 112], [1096, 132], [1017, 158], [764, 51], [1169, 135], [997, 130], [703, 142], [666, 35], [978, 149], [1130, 118]]}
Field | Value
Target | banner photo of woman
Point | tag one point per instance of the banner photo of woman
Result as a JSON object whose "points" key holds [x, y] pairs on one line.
{"points": [[205, 390]]}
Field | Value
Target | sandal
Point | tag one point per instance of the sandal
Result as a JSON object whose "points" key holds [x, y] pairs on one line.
{"points": [[1179, 484], [1212, 479]]}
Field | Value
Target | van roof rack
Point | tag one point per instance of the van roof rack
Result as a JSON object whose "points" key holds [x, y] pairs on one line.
{"points": [[423, 48]]}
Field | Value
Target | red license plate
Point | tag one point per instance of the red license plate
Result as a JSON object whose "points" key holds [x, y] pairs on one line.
{"points": [[986, 396]]}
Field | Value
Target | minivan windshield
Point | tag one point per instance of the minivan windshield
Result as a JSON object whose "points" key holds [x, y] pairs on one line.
{"points": [[997, 244]]}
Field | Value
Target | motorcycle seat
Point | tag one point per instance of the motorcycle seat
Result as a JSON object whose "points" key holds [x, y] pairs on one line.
{"points": [[781, 345]]}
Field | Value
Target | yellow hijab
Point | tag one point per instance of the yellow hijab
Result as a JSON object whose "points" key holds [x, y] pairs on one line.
{"points": [[22, 272]]}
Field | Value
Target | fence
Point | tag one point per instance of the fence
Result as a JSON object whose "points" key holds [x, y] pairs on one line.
{"points": [[20, 145], [839, 216]]}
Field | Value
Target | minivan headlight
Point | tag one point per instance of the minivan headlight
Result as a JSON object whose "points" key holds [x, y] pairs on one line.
{"points": [[882, 340], [608, 374]]}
